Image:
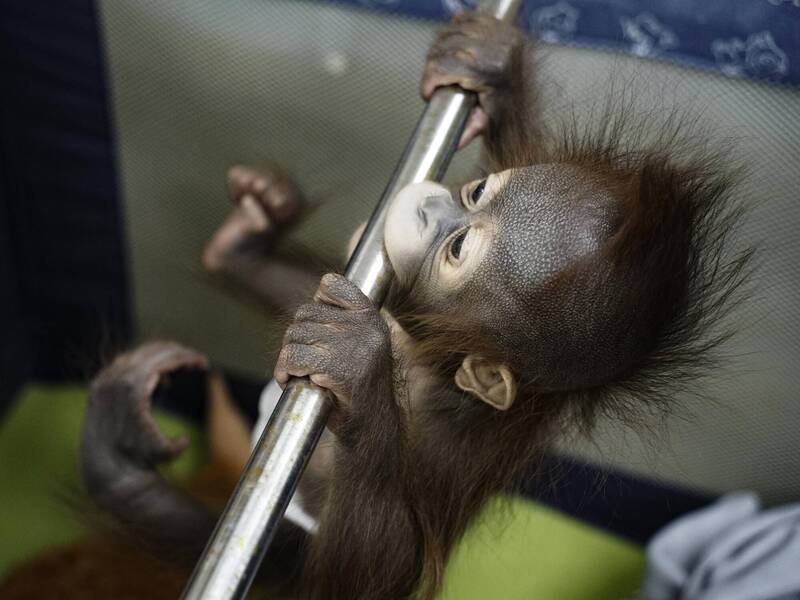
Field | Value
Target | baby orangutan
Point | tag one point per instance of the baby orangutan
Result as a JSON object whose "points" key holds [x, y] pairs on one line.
{"points": [[579, 277]]}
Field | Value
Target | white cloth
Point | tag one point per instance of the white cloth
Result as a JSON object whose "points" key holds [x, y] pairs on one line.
{"points": [[730, 550]]}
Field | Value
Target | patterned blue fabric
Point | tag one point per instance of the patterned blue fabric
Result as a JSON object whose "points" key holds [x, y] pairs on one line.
{"points": [[757, 39]]}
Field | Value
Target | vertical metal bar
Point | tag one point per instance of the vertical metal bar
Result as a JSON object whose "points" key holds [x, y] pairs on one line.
{"points": [[246, 528]]}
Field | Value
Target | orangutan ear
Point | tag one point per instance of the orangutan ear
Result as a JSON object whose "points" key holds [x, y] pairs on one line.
{"points": [[490, 381]]}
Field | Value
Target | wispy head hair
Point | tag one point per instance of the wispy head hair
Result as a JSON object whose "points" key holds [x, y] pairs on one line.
{"points": [[655, 298]]}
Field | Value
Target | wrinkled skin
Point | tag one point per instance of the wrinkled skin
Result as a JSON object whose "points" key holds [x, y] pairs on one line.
{"points": [[121, 446], [473, 52], [515, 232], [120, 397], [525, 226], [243, 250], [341, 342]]}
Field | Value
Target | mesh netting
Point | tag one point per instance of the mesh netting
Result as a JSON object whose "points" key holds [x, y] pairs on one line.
{"points": [[331, 93]]}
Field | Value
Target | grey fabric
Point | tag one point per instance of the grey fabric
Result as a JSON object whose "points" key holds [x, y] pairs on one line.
{"points": [[728, 551], [332, 93]]}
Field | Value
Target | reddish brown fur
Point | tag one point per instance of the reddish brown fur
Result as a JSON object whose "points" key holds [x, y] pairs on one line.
{"points": [[111, 565]]}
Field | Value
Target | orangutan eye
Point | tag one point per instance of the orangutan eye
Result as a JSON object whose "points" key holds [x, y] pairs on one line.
{"points": [[476, 193], [456, 243]]}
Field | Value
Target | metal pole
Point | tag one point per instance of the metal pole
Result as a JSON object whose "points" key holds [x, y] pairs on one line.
{"points": [[246, 528]]}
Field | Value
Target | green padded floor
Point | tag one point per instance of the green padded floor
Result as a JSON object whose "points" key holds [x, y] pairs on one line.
{"points": [[516, 550], [527, 551], [38, 466]]}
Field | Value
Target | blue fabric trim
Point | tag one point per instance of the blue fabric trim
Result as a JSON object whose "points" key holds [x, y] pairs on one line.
{"points": [[627, 505], [755, 39]]}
